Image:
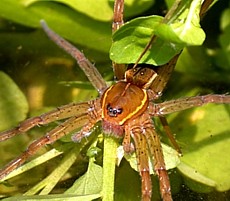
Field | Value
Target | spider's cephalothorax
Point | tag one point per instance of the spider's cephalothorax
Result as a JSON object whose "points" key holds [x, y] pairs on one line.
{"points": [[126, 100]]}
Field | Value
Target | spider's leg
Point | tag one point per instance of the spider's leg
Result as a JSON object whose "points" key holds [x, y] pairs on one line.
{"points": [[89, 69], [63, 129], [142, 160], [186, 103], [126, 143], [156, 152], [66, 111], [163, 75], [119, 69], [147, 143], [118, 15], [169, 133]]}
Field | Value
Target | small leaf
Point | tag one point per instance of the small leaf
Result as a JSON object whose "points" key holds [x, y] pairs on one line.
{"points": [[13, 104], [188, 24], [88, 184]]}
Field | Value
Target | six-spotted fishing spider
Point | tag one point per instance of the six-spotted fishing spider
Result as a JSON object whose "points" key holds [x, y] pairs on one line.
{"points": [[125, 110]]}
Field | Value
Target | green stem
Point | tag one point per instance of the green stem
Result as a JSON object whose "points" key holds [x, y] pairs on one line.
{"points": [[109, 162]]}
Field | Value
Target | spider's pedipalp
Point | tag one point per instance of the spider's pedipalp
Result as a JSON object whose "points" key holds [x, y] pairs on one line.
{"points": [[94, 115]]}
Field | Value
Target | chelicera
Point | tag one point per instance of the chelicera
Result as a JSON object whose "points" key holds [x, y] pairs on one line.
{"points": [[125, 109]]}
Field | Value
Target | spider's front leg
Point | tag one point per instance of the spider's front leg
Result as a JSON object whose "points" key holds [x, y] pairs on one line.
{"points": [[60, 113], [186, 103], [147, 145], [83, 114]]}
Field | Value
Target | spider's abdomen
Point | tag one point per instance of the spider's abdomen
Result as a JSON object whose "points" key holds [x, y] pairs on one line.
{"points": [[120, 103]]}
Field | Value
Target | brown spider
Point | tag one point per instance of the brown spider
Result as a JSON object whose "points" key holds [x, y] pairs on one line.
{"points": [[125, 110]]}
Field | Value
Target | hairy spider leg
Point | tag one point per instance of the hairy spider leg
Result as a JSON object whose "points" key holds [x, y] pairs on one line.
{"points": [[78, 116], [172, 106], [88, 68]]}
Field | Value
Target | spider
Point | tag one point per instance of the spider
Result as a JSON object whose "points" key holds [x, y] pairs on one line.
{"points": [[125, 110]]}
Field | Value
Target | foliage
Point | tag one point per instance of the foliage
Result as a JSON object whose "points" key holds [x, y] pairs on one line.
{"points": [[37, 66]]}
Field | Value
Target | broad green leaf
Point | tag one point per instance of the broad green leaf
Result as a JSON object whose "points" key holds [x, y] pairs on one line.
{"points": [[101, 9], [192, 174], [98, 10], [87, 23], [131, 39], [172, 37], [204, 137], [64, 20], [13, 104]]}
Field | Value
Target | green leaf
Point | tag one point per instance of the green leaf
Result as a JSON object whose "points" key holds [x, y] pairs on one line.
{"points": [[37, 161], [223, 53], [87, 23], [90, 183], [88, 7], [63, 20], [11, 111], [187, 25], [205, 144], [60, 197], [225, 19], [131, 39], [101, 9]]}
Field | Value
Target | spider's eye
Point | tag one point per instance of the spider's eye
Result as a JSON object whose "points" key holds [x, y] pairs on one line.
{"points": [[113, 112], [119, 110]]}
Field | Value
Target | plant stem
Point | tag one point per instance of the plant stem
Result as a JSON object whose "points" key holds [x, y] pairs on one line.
{"points": [[109, 162]]}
